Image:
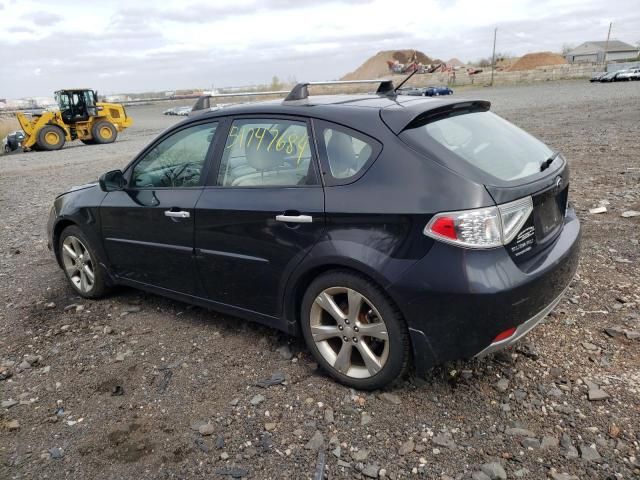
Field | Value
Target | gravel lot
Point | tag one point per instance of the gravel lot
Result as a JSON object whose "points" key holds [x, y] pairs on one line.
{"points": [[140, 386]]}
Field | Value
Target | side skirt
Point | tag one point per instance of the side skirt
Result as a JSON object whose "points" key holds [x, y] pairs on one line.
{"points": [[269, 321]]}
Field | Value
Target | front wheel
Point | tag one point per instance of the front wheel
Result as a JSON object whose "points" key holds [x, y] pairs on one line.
{"points": [[354, 331], [104, 132], [80, 263], [50, 137]]}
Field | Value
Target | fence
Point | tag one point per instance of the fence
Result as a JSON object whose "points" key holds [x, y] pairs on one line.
{"points": [[540, 74]]}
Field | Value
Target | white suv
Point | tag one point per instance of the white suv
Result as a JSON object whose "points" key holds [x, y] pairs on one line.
{"points": [[631, 74]]}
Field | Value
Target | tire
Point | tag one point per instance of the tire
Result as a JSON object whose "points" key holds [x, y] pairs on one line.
{"points": [[50, 137], [7, 149], [104, 132], [73, 242], [376, 312]]}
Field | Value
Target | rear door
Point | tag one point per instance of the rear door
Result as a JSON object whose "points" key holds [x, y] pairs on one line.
{"points": [[148, 228], [261, 214]]}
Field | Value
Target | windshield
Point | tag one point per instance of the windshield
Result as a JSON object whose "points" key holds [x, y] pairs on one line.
{"points": [[484, 140]]}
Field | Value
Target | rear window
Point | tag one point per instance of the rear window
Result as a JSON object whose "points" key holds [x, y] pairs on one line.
{"points": [[484, 140]]}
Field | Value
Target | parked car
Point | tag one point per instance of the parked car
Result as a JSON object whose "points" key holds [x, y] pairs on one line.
{"points": [[436, 91], [428, 91], [170, 111], [383, 229], [631, 74], [611, 76], [183, 111], [597, 76], [13, 141]]}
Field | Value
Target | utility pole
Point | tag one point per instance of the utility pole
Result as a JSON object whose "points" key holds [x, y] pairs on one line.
{"points": [[606, 47], [493, 56]]}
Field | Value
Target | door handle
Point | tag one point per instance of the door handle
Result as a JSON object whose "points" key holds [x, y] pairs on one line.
{"points": [[294, 218], [179, 214]]}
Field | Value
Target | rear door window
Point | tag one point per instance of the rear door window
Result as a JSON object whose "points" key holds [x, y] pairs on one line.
{"points": [[267, 153], [346, 153], [484, 140]]}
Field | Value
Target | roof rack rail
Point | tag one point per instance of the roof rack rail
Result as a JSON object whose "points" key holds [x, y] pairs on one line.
{"points": [[247, 94], [301, 90]]}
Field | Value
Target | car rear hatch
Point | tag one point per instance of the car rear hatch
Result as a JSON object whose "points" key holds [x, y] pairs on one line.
{"points": [[512, 165], [549, 196]]}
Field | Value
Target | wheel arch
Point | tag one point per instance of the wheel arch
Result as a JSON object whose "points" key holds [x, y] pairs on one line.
{"points": [[298, 286], [55, 238]]}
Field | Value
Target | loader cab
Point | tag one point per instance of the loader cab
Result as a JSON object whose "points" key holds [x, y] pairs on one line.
{"points": [[76, 105]]}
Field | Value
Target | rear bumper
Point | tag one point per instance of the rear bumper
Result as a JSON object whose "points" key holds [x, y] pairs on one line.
{"points": [[456, 301], [522, 329]]}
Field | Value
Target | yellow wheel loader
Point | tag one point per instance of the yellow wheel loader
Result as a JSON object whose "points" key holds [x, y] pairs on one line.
{"points": [[80, 117]]}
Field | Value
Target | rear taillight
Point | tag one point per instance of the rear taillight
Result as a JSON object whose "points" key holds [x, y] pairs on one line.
{"points": [[487, 227]]}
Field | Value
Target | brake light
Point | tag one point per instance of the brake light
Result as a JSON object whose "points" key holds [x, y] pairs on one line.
{"points": [[445, 226], [488, 227], [504, 335]]}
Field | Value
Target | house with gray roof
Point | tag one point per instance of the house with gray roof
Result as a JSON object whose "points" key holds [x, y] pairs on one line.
{"points": [[594, 52]]}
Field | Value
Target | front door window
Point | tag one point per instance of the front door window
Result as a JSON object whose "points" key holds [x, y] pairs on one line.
{"points": [[177, 161]]}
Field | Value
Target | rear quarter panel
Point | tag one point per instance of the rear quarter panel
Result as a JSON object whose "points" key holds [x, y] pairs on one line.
{"points": [[374, 225]]}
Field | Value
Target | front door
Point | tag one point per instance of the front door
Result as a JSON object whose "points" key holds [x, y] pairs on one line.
{"points": [[148, 227], [262, 216]]}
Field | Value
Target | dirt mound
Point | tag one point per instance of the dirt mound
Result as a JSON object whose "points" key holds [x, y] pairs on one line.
{"points": [[539, 59], [377, 66], [454, 62]]}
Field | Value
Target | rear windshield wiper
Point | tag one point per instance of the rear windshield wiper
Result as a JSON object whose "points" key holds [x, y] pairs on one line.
{"points": [[544, 165]]}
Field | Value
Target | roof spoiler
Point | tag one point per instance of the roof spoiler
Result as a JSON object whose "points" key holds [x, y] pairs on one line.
{"points": [[301, 90], [399, 117]]}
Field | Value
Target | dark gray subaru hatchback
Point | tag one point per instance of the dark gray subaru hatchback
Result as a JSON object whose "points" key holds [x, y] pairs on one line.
{"points": [[387, 230]]}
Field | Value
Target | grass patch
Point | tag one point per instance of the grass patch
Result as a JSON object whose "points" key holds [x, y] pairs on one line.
{"points": [[8, 125]]}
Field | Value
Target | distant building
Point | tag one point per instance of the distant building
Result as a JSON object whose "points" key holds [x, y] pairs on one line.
{"points": [[117, 98], [594, 52]]}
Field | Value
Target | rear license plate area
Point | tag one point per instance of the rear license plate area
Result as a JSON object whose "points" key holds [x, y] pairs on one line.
{"points": [[548, 213]]}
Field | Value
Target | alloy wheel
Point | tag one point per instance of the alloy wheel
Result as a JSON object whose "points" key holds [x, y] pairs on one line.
{"points": [[78, 263], [349, 332]]}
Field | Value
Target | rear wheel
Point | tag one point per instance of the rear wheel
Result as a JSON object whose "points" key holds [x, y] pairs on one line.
{"points": [[104, 132], [81, 264], [50, 137], [354, 331]]}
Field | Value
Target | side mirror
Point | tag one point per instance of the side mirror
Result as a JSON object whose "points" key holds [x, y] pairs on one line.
{"points": [[112, 181]]}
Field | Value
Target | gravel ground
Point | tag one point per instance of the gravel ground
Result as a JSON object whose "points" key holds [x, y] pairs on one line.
{"points": [[140, 386]]}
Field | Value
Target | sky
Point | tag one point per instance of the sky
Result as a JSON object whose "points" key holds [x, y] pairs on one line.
{"points": [[123, 46]]}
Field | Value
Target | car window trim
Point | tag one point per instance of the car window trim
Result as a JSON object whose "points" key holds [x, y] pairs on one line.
{"points": [[128, 171], [212, 179], [327, 177]]}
